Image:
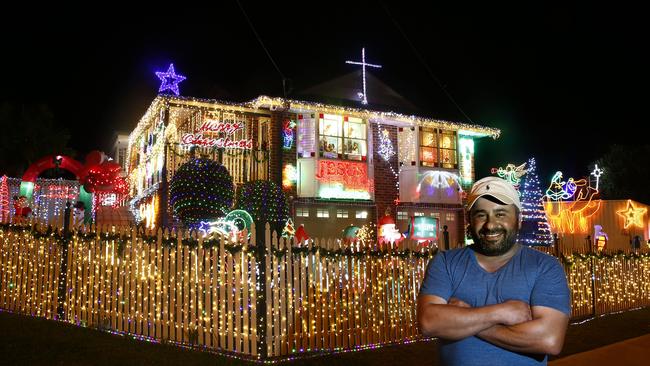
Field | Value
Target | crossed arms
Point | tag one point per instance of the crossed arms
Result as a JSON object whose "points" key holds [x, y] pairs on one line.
{"points": [[512, 325]]}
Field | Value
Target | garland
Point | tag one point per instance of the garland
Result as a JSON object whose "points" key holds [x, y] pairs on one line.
{"points": [[569, 262], [347, 252]]}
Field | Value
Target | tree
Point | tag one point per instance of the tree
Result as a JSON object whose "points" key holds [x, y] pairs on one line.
{"points": [[29, 132], [265, 202], [4, 199], [625, 173], [535, 229], [201, 190]]}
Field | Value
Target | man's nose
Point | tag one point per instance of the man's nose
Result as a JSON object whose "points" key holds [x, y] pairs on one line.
{"points": [[491, 222]]}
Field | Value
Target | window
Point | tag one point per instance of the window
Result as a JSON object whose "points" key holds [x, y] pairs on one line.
{"points": [[435, 214], [418, 213], [448, 149], [362, 215], [302, 212], [402, 215], [306, 130], [263, 131], [428, 147], [342, 214], [322, 213], [438, 148], [450, 216], [342, 137]]}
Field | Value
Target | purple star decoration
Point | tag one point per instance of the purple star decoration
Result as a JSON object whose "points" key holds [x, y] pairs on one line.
{"points": [[169, 80]]}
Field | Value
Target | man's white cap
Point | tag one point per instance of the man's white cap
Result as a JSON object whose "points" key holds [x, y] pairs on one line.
{"points": [[495, 187]]}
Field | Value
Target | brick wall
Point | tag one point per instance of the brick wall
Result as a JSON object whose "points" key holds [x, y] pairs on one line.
{"points": [[385, 181]]}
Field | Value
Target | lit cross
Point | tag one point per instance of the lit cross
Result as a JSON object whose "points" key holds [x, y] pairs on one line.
{"points": [[597, 173], [363, 67], [169, 80]]}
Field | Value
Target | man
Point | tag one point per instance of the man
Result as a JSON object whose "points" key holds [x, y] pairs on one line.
{"points": [[495, 302]]}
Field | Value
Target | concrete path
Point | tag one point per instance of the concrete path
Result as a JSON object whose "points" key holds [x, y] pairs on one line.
{"points": [[631, 352]]}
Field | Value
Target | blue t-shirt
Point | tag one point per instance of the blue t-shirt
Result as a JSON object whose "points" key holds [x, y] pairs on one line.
{"points": [[530, 276]]}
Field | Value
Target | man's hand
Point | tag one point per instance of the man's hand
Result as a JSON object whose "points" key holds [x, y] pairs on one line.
{"points": [[458, 302], [515, 312]]}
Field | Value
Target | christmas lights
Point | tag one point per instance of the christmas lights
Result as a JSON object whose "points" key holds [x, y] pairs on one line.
{"points": [[289, 176], [466, 151], [4, 200], [363, 95], [632, 215], [439, 179], [170, 80], [535, 229], [511, 173], [385, 150], [201, 189], [597, 172], [320, 297], [264, 201], [287, 134], [574, 215]]}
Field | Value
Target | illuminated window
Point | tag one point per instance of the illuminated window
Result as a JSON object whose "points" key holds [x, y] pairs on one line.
{"points": [[428, 147], [402, 215], [342, 137], [362, 215], [306, 130], [435, 214], [302, 212], [450, 216], [418, 213], [322, 213], [438, 148], [342, 214]]}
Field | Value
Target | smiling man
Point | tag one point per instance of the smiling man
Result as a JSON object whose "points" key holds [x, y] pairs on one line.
{"points": [[495, 302]]}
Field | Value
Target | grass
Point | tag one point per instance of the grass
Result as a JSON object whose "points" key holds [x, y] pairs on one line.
{"points": [[32, 341]]}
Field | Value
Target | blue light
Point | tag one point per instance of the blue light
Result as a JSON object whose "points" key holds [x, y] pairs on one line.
{"points": [[170, 80]]}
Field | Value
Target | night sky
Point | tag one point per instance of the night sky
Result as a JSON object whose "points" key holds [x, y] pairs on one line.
{"points": [[562, 83]]}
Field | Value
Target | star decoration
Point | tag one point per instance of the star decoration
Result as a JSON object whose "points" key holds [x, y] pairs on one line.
{"points": [[396, 200], [205, 227], [632, 215], [170, 80]]}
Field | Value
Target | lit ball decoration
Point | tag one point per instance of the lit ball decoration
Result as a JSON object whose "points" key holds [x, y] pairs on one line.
{"points": [[265, 201], [201, 189]]}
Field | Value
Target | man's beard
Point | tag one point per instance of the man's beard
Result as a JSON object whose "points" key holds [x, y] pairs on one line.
{"points": [[491, 249]]}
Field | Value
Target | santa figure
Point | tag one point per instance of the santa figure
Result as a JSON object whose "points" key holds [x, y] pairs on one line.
{"points": [[21, 208], [388, 232], [79, 213]]}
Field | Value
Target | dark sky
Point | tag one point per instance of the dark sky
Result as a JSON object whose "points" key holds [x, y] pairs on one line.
{"points": [[562, 83]]}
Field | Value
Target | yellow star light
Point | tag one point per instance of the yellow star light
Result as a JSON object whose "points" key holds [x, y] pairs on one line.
{"points": [[632, 215]]}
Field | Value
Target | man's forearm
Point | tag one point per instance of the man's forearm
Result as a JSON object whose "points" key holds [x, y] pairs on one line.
{"points": [[453, 322], [530, 337]]}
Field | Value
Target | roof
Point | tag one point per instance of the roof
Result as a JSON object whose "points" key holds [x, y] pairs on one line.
{"points": [[277, 103]]}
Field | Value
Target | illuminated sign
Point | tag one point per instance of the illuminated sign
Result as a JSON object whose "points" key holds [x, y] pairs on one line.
{"points": [[423, 228], [61, 192], [205, 136], [339, 179]]}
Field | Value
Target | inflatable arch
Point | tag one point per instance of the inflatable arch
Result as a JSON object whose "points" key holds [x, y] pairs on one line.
{"points": [[62, 162]]}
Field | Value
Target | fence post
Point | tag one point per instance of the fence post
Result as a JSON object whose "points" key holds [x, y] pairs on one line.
{"points": [[263, 237], [63, 270]]}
